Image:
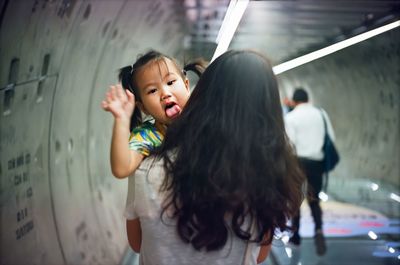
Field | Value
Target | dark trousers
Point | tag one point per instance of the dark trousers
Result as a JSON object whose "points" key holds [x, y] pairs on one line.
{"points": [[313, 171]]}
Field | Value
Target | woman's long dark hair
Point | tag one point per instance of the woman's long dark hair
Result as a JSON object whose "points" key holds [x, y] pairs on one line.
{"points": [[231, 161], [127, 76]]}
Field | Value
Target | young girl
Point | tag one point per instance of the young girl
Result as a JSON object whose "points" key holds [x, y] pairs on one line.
{"points": [[156, 86], [225, 177]]}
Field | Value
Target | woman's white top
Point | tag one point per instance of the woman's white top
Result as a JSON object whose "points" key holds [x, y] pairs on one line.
{"points": [[161, 243]]}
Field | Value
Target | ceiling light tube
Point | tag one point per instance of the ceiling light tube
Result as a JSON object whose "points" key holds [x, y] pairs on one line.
{"points": [[372, 235], [374, 186], [228, 14], [395, 197], [231, 21], [283, 67]]}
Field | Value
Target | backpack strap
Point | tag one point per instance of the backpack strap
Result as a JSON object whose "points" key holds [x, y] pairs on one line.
{"points": [[325, 175]]}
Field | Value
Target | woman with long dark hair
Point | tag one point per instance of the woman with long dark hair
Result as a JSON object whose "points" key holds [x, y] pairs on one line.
{"points": [[225, 177]]}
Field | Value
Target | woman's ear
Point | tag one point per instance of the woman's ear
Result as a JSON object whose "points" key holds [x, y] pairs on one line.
{"points": [[141, 107]]}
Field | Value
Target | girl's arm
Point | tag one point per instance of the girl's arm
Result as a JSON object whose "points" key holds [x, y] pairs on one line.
{"points": [[121, 104], [134, 233], [123, 160]]}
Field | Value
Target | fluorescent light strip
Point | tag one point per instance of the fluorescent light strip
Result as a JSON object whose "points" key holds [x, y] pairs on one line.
{"points": [[231, 21], [278, 69], [372, 235], [395, 197], [228, 14], [374, 186]]}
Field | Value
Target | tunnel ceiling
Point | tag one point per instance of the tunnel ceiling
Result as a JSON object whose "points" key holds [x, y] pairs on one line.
{"points": [[286, 29]]}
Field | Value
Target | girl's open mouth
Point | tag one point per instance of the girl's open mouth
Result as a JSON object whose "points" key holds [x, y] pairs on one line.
{"points": [[172, 109]]}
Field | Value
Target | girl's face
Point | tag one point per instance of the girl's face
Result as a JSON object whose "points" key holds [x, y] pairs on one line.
{"points": [[162, 89]]}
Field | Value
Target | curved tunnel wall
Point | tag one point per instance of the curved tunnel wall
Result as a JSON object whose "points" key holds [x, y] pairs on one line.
{"points": [[360, 89], [59, 201]]}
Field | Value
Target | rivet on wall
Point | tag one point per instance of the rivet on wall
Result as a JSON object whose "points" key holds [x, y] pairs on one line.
{"points": [[115, 33], [66, 8], [70, 145], [8, 99], [87, 12], [39, 92], [35, 4], [45, 69], [13, 73], [12, 80], [58, 146], [45, 65], [105, 28]]}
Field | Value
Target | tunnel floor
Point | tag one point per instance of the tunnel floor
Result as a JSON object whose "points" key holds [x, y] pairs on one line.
{"points": [[354, 236]]}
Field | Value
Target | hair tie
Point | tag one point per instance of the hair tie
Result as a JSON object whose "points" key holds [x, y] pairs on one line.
{"points": [[131, 68]]}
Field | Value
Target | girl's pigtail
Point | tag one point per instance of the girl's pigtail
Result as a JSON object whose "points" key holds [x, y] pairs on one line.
{"points": [[198, 66], [125, 77]]}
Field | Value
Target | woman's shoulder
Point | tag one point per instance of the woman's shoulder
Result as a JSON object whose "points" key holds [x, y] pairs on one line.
{"points": [[157, 160], [151, 161], [150, 171]]}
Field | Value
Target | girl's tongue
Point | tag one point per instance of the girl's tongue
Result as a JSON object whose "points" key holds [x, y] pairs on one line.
{"points": [[173, 111]]}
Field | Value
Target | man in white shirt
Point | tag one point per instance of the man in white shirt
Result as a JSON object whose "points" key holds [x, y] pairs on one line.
{"points": [[305, 128]]}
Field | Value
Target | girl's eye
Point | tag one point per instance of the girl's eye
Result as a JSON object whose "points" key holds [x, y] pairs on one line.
{"points": [[171, 82], [152, 91]]}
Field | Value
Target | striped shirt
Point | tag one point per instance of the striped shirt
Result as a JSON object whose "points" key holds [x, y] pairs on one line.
{"points": [[146, 137]]}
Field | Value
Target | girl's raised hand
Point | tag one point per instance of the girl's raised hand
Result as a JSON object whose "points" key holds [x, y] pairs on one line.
{"points": [[119, 102]]}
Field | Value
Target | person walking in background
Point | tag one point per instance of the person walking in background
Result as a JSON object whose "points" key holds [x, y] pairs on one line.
{"points": [[306, 130]]}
